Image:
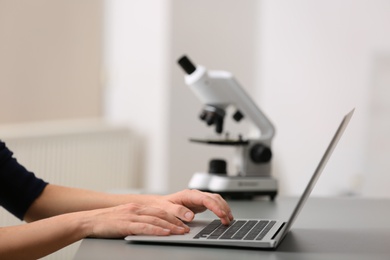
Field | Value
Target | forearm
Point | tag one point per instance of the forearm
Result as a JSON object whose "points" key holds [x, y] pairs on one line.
{"points": [[56, 200], [42, 237], [35, 240]]}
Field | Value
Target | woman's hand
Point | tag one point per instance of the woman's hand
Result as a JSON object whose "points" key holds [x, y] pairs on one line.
{"points": [[185, 204], [68, 215], [132, 219], [40, 238]]}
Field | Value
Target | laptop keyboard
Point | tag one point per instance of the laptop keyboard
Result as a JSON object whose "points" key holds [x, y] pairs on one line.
{"points": [[238, 229]]}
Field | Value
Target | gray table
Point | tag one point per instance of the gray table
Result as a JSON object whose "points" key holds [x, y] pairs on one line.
{"points": [[327, 228]]}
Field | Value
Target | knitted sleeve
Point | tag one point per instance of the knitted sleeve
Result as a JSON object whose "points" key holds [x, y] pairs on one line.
{"points": [[18, 186]]}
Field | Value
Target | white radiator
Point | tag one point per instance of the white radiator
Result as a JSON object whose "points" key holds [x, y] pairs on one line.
{"points": [[84, 153]]}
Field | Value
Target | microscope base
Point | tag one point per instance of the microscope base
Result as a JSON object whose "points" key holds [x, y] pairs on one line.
{"points": [[245, 195], [233, 187]]}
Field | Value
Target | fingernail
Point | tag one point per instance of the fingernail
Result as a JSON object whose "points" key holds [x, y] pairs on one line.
{"points": [[179, 230], [188, 216]]}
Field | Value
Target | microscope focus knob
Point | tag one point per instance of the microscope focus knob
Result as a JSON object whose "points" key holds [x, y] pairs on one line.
{"points": [[238, 116], [260, 153], [217, 166]]}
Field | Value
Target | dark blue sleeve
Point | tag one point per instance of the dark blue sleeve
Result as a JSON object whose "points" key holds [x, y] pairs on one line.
{"points": [[18, 186]]}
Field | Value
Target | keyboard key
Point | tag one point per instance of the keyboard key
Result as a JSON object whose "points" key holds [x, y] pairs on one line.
{"points": [[233, 229], [256, 230], [208, 229], [219, 231], [266, 230], [245, 229]]}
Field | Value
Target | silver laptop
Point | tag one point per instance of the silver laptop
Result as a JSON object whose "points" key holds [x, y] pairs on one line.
{"points": [[255, 233]]}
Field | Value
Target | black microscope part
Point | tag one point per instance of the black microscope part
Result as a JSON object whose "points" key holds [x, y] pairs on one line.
{"points": [[217, 166], [260, 153], [238, 116], [186, 65]]}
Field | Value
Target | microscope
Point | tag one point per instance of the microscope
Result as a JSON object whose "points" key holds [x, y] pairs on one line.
{"points": [[218, 90]]}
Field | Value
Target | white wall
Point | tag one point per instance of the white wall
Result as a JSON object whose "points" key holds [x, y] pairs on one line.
{"points": [[307, 63], [136, 76], [317, 62], [377, 166]]}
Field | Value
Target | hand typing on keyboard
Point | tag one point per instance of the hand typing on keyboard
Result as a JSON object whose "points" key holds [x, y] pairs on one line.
{"points": [[185, 204]]}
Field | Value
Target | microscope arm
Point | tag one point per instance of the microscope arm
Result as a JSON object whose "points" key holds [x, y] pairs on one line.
{"points": [[219, 89]]}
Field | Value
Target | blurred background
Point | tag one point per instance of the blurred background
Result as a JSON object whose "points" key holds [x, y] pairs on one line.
{"points": [[91, 94]]}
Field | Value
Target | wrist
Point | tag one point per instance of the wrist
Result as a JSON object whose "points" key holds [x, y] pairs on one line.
{"points": [[78, 223], [86, 224]]}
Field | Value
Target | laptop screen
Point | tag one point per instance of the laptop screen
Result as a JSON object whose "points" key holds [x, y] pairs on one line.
{"points": [[319, 169]]}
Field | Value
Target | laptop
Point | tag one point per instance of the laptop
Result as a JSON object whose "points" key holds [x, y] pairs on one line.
{"points": [[250, 233]]}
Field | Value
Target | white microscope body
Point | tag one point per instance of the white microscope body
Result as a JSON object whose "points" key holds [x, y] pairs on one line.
{"points": [[218, 90]]}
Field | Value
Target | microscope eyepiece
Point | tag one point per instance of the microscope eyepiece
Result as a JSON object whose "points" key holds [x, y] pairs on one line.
{"points": [[186, 65]]}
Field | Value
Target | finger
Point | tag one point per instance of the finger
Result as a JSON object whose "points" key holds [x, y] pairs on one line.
{"points": [[211, 201], [223, 204], [223, 213], [160, 223], [147, 229], [219, 206], [182, 212], [161, 218], [215, 199]]}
